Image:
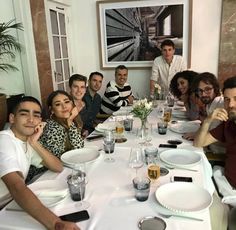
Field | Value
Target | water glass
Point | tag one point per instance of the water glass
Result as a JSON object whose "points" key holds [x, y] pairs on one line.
{"points": [[77, 185], [150, 152], [162, 127], [170, 100], [128, 124], [141, 187]]}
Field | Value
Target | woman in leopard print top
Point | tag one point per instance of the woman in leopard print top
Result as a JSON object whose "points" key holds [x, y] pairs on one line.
{"points": [[63, 130]]}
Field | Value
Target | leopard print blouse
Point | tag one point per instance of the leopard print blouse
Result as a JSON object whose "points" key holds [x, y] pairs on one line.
{"points": [[58, 139]]}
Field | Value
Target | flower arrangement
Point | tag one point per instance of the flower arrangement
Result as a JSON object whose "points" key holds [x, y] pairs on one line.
{"points": [[157, 90], [142, 109]]}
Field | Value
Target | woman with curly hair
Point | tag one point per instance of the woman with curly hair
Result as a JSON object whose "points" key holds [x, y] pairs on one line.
{"points": [[180, 87]]}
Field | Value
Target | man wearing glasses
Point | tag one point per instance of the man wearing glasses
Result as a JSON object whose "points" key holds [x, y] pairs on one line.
{"points": [[207, 89]]}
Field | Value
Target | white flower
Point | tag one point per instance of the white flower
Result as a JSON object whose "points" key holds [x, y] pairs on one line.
{"points": [[142, 108], [157, 88]]}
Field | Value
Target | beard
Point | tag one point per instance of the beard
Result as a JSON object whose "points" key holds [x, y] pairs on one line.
{"points": [[206, 100], [232, 115]]}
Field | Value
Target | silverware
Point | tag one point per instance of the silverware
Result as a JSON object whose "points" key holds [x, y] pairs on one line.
{"points": [[178, 167], [180, 216]]}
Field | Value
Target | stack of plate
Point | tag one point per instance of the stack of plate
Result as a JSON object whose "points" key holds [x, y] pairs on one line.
{"points": [[102, 127], [82, 155], [185, 127], [180, 158], [179, 114], [183, 197]]}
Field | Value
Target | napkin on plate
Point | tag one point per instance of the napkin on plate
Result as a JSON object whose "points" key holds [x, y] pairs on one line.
{"points": [[51, 192], [106, 126], [229, 194]]}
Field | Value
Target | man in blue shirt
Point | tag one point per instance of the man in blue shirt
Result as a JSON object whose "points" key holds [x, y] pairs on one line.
{"points": [[92, 101]]}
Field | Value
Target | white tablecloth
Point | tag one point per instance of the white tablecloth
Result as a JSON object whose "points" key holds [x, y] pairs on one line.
{"points": [[111, 195]]}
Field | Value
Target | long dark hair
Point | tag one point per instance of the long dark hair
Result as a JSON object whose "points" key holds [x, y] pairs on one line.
{"points": [[188, 75]]}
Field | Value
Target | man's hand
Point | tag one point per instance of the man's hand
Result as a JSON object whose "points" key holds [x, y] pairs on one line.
{"points": [[37, 132], [130, 99], [218, 114], [65, 225]]}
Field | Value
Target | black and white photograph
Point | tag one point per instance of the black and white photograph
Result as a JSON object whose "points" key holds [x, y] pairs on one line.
{"points": [[131, 31]]}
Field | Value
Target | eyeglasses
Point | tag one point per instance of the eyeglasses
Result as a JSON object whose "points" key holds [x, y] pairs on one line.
{"points": [[207, 90]]}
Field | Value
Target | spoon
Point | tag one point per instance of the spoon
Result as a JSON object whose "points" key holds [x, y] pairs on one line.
{"points": [[180, 216]]}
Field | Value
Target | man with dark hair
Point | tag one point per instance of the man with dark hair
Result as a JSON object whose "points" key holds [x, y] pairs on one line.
{"points": [[92, 101], [165, 67], [225, 132], [19, 148], [207, 88], [118, 93]]}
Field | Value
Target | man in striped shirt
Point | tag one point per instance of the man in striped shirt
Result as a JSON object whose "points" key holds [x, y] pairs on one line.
{"points": [[118, 93]]}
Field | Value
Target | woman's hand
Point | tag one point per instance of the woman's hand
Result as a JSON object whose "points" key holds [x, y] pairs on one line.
{"points": [[74, 112]]}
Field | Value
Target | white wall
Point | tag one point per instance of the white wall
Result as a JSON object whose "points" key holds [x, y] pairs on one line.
{"points": [[205, 45], [205, 42]]}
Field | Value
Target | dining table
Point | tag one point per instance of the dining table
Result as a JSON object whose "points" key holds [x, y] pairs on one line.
{"points": [[109, 187]]}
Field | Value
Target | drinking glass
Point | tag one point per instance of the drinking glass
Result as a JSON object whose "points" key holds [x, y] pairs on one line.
{"points": [[136, 159], [153, 168], [119, 129], [167, 114], [109, 145], [77, 185]]}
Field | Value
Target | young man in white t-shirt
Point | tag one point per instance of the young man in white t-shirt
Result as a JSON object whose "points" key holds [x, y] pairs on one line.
{"points": [[19, 147]]}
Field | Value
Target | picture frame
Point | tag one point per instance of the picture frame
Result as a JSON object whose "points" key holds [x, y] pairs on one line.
{"points": [[131, 31]]}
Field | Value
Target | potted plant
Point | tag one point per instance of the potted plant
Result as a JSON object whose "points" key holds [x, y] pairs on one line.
{"points": [[9, 46]]}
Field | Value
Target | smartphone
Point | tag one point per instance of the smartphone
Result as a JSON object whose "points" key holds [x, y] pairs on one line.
{"points": [[167, 146], [175, 142], [94, 137], [76, 216], [183, 178]]}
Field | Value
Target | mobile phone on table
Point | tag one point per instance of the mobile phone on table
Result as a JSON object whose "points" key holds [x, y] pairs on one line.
{"points": [[76, 216], [168, 146], [183, 178]]}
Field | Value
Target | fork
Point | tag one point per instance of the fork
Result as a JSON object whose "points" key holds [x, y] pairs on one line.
{"points": [[180, 216]]}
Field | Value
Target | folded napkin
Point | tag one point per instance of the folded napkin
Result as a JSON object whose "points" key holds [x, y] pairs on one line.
{"points": [[51, 193], [106, 126], [224, 187]]}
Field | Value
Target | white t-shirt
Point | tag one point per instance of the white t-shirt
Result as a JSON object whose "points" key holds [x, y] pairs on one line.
{"points": [[15, 156], [162, 72]]}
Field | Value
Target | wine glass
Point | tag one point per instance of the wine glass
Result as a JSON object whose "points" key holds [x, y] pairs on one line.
{"points": [[109, 145], [136, 159], [77, 185]]}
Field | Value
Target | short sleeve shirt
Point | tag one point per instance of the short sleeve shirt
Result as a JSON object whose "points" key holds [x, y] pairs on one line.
{"points": [[15, 156], [226, 133]]}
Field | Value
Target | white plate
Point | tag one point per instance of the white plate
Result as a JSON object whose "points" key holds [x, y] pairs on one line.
{"points": [[124, 110], [49, 192], [183, 197], [102, 127], [180, 157], [80, 156], [185, 127]]}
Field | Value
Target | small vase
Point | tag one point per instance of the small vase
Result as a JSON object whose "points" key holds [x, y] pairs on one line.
{"points": [[143, 130]]}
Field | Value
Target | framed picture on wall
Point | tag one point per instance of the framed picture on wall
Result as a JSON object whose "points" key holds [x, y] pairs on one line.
{"points": [[131, 32]]}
